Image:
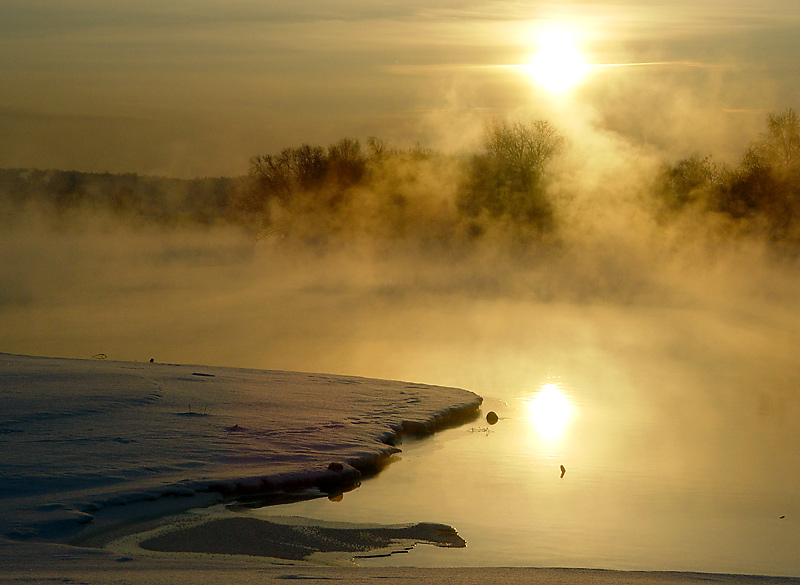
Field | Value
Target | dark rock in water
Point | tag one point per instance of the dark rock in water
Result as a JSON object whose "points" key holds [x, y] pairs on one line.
{"points": [[563, 470], [492, 417]]}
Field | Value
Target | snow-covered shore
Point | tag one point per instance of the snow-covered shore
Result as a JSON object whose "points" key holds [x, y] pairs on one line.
{"points": [[88, 445], [94, 449]]}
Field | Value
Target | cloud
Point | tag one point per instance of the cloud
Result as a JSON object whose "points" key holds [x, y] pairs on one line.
{"points": [[273, 75]]}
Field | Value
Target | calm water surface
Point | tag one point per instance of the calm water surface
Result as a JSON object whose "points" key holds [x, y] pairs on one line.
{"points": [[638, 492]]}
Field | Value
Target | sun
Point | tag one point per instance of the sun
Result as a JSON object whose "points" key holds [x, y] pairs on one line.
{"points": [[558, 64]]}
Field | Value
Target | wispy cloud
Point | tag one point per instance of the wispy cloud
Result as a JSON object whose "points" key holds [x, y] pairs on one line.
{"points": [[313, 71]]}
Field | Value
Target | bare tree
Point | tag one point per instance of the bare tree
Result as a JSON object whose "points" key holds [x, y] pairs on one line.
{"points": [[509, 177]]}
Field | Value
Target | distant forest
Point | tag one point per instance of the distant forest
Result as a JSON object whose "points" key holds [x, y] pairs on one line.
{"points": [[129, 196], [349, 189]]}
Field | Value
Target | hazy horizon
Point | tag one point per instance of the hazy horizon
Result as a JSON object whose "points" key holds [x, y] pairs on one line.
{"points": [[195, 88]]}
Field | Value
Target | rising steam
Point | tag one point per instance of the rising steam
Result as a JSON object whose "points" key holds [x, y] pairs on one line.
{"points": [[539, 249]]}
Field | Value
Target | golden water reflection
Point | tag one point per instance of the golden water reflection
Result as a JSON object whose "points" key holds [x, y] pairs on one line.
{"points": [[571, 476], [549, 410]]}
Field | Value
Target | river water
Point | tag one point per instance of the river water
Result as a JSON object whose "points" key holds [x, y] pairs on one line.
{"points": [[676, 426], [668, 389], [624, 501]]}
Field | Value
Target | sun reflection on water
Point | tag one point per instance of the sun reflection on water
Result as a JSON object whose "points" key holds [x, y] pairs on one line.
{"points": [[550, 411]]}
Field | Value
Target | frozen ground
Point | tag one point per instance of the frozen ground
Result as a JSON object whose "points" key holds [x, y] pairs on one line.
{"points": [[89, 444]]}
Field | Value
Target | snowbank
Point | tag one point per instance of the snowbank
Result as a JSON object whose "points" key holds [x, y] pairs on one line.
{"points": [[87, 444]]}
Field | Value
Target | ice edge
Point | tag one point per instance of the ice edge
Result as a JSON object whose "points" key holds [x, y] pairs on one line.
{"points": [[79, 525]]}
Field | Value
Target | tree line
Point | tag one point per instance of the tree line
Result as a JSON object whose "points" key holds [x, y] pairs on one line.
{"points": [[381, 190], [349, 189], [128, 196], [759, 193]]}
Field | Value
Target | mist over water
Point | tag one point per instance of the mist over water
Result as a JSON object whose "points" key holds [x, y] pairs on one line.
{"points": [[680, 314], [677, 340]]}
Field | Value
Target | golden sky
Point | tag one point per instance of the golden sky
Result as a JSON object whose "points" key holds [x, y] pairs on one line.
{"points": [[196, 87]]}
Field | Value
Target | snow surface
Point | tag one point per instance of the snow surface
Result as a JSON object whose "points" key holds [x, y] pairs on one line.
{"points": [[84, 440]]}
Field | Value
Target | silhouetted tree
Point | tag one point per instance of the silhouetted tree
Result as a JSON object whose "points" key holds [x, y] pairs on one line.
{"points": [[508, 178], [379, 151], [346, 163], [762, 191], [690, 181], [781, 144], [66, 189], [767, 183], [292, 169]]}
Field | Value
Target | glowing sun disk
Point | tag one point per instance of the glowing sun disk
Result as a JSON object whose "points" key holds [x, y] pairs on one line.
{"points": [[558, 65]]}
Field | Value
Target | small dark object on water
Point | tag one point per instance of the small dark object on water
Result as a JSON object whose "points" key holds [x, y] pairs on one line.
{"points": [[335, 466], [492, 417], [782, 517], [99, 356], [563, 470], [152, 360], [234, 429]]}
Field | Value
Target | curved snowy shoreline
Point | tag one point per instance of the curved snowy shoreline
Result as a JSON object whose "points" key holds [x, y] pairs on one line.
{"points": [[90, 444]]}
